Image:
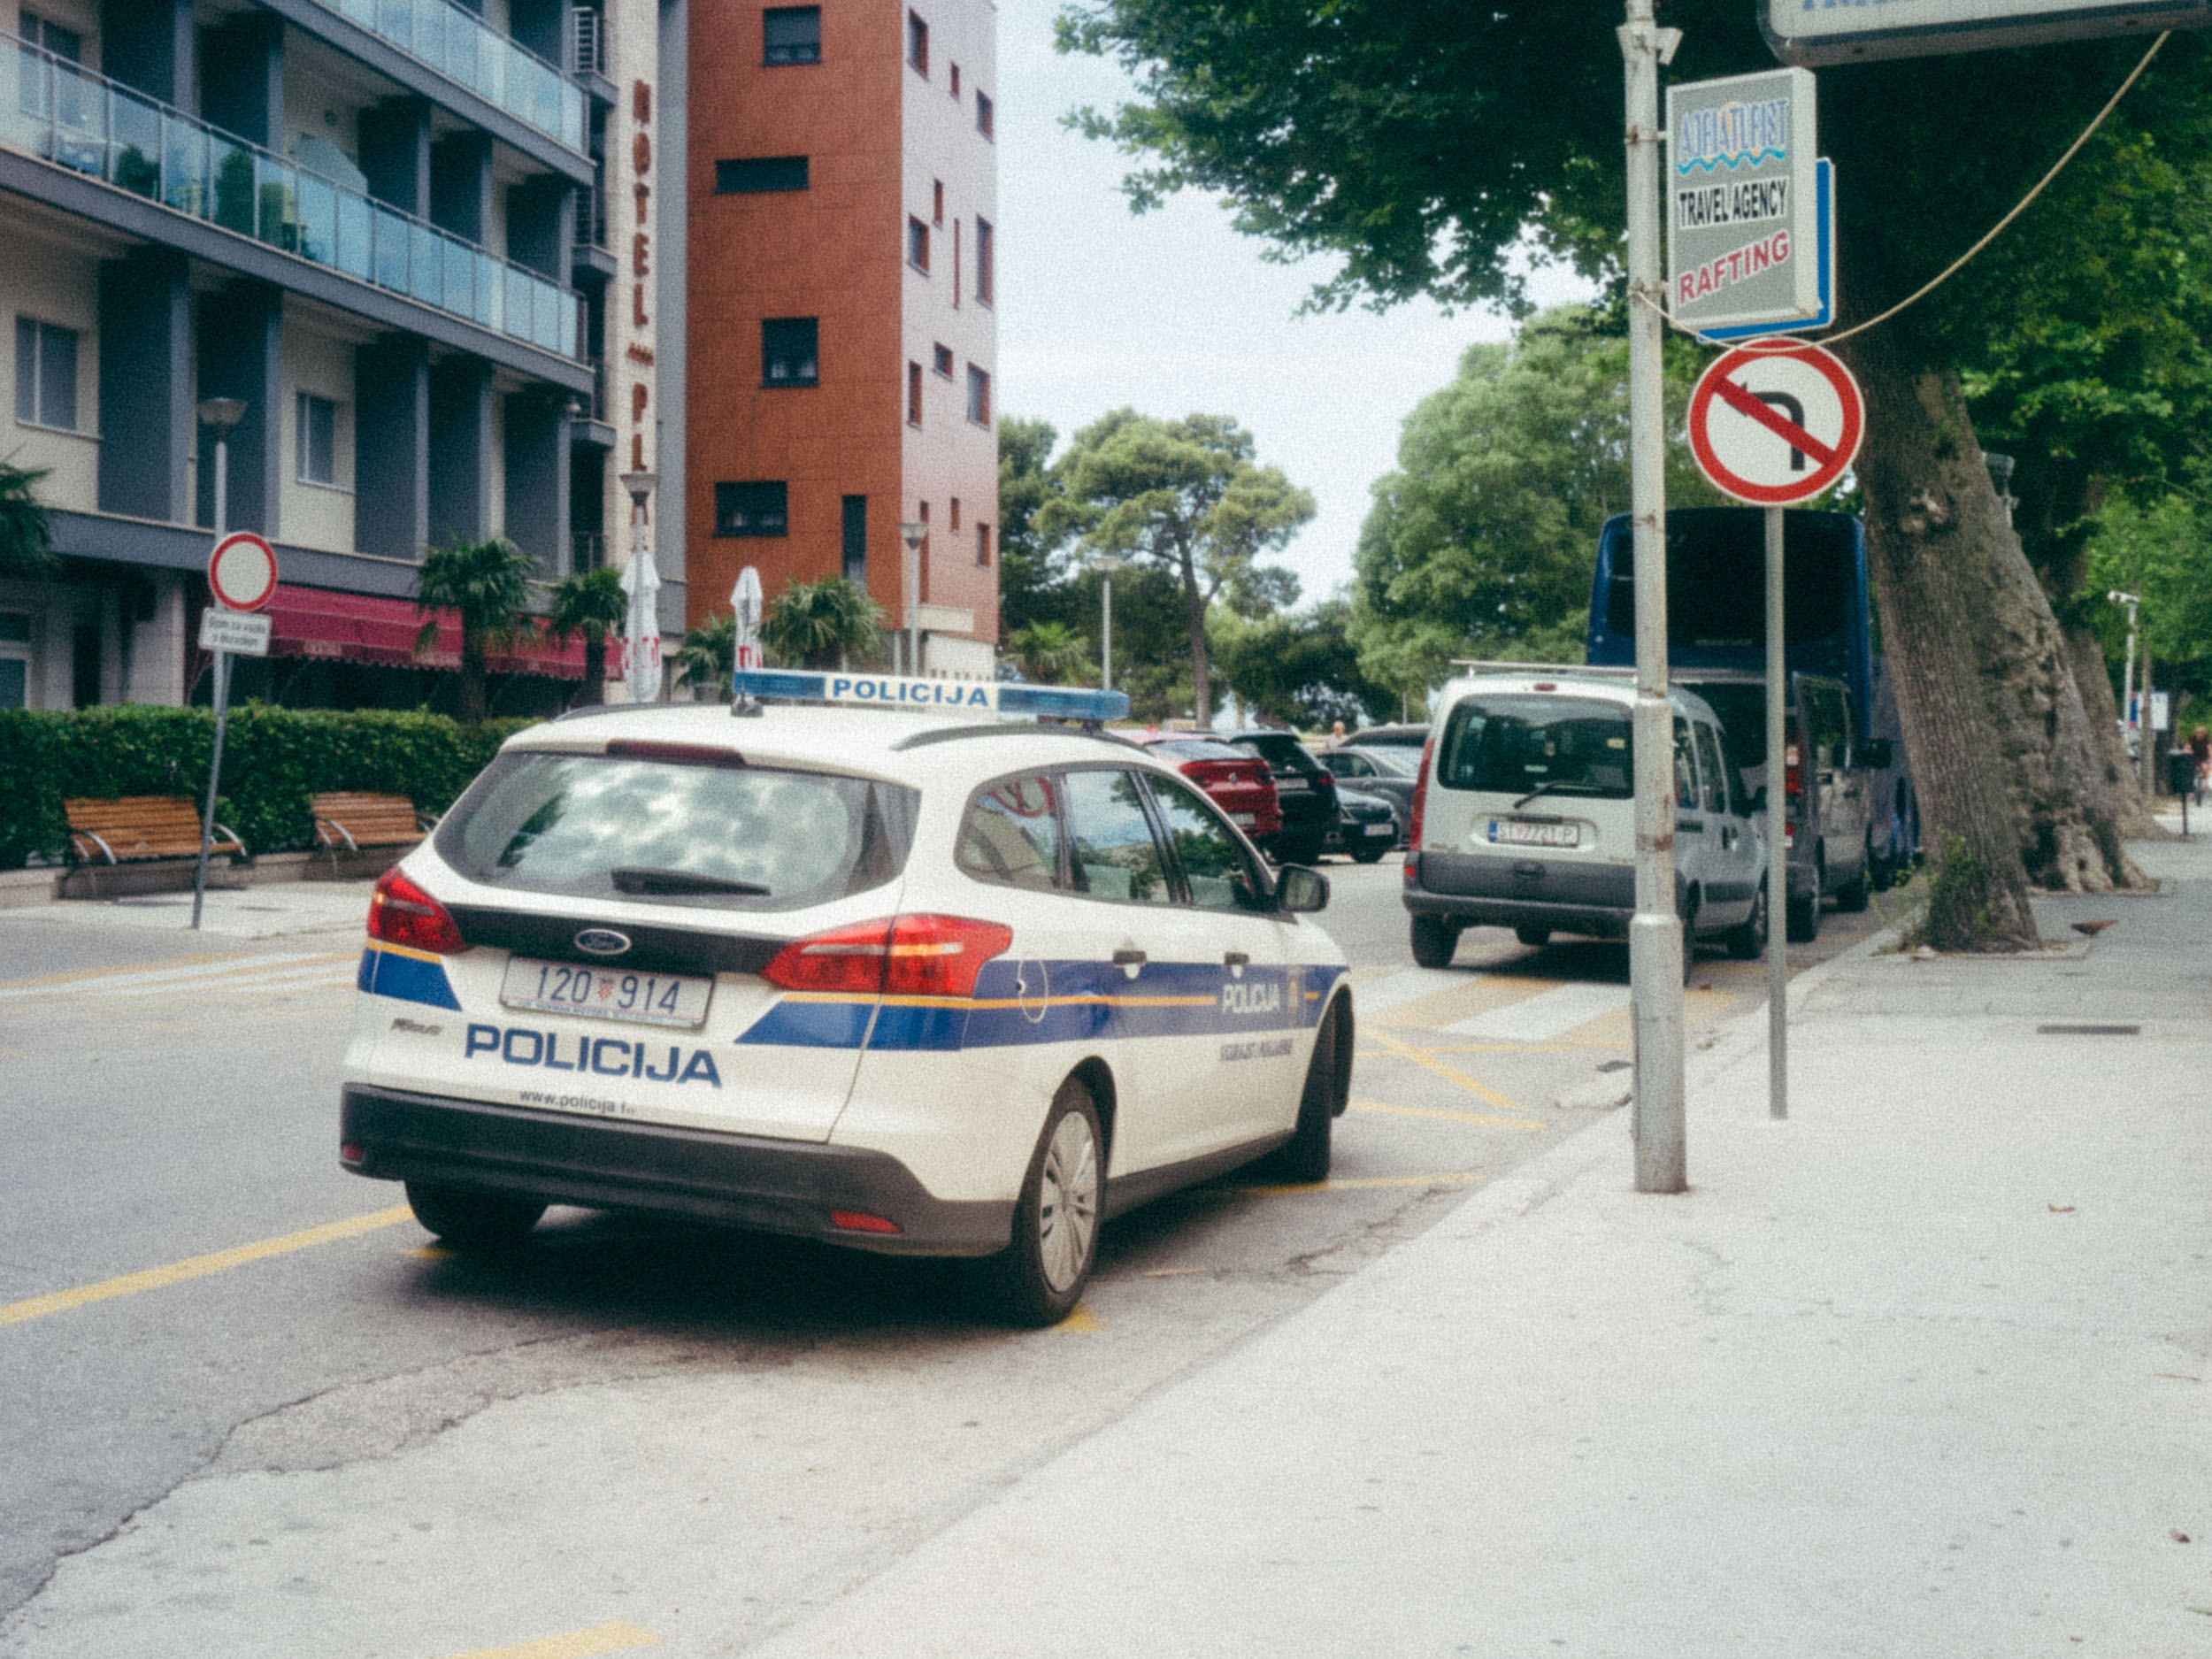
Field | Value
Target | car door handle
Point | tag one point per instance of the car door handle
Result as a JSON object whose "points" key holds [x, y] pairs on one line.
{"points": [[1128, 958], [1235, 959]]}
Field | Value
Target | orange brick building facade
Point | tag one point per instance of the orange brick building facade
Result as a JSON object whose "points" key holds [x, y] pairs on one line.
{"points": [[840, 284]]}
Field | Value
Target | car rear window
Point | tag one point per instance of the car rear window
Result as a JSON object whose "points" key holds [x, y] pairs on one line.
{"points": [[1742, 708], [725, 836], [1513, 744], [1279, 750], [1184, 749]]}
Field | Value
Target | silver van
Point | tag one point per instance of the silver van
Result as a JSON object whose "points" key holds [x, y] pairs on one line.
{"points": [[1524, 818], [1833, 844]]}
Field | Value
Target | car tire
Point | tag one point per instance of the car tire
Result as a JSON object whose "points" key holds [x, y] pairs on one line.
{"points": [[1435, 937], [468, 1218], [1369, 854], [1304, 1158], [1804, 918], [1534, 938], [1748, 941], [1852, 895], [1039, 1277], [1304, 849]]}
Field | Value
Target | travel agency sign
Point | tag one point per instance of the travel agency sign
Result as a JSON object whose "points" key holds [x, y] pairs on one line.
{"points": [[1743, 210]]}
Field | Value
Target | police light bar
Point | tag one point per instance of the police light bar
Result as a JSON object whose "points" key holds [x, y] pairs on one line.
{"points": [[944, 696]]}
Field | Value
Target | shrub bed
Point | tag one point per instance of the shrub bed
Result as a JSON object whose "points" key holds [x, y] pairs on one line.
{"points": [[273, 759]]}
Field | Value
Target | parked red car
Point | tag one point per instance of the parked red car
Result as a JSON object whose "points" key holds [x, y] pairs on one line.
{"points": [[1238, 780]]}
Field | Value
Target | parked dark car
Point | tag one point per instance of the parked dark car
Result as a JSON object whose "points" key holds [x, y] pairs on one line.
{"points": [[1409, 736], [1303, 790], [1367, 826], [1387, 770]]}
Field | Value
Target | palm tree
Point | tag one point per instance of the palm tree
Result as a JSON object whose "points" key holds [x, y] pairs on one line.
{"points": [[819, 624], [488, 583], [709, 653], [1050, 651], [27, 540], [591, 603]]}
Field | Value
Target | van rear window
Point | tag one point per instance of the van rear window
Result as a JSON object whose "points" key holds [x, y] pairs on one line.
{"points": [[716, 836], [1516, 744]]}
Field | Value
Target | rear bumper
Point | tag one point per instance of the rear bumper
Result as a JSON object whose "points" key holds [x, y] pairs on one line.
{"points": [[608, 1163], [1480, 890]]}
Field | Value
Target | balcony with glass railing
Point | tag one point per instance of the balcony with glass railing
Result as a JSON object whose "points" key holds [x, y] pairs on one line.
{"points": [[66, 115], [461, 47]]}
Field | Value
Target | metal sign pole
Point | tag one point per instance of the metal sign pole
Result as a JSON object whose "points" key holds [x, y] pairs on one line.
{"points": [[1656, 944], [222, 694], [1777, 851]]}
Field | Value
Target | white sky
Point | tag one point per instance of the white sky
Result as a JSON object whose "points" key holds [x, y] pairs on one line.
{"points": [[1175, 313]]}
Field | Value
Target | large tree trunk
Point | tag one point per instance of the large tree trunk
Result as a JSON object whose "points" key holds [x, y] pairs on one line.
{"points": [[1194, 613], [2003, 752]]}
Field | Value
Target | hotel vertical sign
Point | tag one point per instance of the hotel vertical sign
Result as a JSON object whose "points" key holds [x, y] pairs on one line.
{"points": [[1742, 208]]}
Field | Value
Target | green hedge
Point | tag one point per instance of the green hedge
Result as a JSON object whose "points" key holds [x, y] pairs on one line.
{"points": [[273, 759]]}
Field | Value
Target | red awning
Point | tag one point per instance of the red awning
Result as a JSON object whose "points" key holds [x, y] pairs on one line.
{"points": [[364, 628]]}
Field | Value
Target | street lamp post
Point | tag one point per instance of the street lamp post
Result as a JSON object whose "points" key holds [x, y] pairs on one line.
{"points": [[1107, 564], [914, 532], [219, 415]]}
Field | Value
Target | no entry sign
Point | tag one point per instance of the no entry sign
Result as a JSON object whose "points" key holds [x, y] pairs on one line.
{"points": [[1776, 421], [242, 572]]}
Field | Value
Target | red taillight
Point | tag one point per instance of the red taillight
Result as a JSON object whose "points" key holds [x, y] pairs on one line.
{"points": [[900, 956], [400, 913], [860, 1221], [1793, 769], [1420, 799]]}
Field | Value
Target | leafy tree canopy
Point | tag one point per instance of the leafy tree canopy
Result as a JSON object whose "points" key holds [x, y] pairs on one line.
{"points": [[1302, 670], [816, 624], [26, 541], [487, 584], [1031, 570]]}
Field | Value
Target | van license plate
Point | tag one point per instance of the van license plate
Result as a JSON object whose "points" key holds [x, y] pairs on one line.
{"points": [[568, 988], [1509, 833]]}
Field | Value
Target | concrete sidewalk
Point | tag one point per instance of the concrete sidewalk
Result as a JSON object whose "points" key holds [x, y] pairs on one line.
{"points": [[273, 910], [1926, 1370]]}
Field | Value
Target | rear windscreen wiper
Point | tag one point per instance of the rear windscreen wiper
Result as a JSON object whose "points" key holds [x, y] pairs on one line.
{"points": [[663, 883], [1562, 785]]}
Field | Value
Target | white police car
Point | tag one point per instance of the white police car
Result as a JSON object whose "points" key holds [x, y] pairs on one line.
{"points": [[927, 982]]}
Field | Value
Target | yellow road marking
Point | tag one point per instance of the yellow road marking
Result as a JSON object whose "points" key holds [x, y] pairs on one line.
{"points": [[578, 1644], [1450, 1178], [1078, 1319], [199, 1266], [1452, 1117], [75, 974], [1177, 1273], [1407, 1051]]}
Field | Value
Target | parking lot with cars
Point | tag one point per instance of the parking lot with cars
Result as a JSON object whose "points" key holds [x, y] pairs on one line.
{"points": [[257, 1397]]}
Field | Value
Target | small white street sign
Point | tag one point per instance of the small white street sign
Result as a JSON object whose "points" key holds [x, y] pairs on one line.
{"points": [[240, 633], [1811, 33], [1742, 201]]}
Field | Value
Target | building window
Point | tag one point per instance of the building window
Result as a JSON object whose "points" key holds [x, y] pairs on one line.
{"points": [[786, 351], [983, 545], [955, 81], [941, 356], [916, 244], [984, 263], [983, 114], [791, 35], [936, 201], [913, 394], [979, 396], [759, 175], [855, 528], [37, 31], [918, 43], [955, 512], [752, 509], [15, 659], [45, 375], [315, 439]]}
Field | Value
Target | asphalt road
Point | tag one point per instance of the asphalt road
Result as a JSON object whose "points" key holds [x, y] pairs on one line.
{"points": [[249, 1399]]}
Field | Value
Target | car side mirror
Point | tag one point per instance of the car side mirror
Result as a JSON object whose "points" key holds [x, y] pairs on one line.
{"points": [[1878, 753], [1299, 890]]}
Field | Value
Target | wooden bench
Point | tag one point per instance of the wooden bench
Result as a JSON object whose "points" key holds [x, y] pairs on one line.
{"points": [[365, 834], [142, 843], [132, 827]]}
